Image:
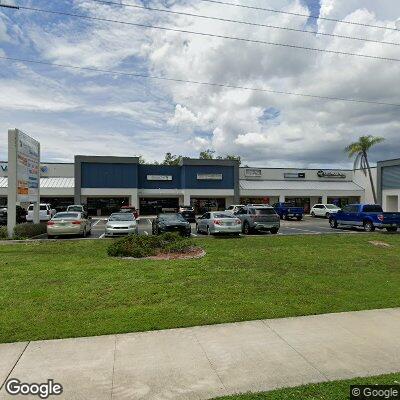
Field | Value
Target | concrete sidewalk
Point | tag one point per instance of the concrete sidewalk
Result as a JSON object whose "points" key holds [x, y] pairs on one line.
{"points": [[209, 361]]}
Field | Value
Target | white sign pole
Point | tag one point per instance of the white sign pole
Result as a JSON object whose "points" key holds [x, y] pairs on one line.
{"points": [[12, 182], [23, 175]]}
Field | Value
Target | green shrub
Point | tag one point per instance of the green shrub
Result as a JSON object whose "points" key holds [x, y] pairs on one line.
{"points": [[3, 232], [28, 230], [145, 246]]}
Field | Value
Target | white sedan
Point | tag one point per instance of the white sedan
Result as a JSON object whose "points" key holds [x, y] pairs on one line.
{"points": [[324, 210]]}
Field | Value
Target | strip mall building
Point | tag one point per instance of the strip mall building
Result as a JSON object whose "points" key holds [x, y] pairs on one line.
{"points": [[106, 183]]}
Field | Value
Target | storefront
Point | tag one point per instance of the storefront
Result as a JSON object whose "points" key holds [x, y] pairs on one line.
{"points": [[104, 184]]}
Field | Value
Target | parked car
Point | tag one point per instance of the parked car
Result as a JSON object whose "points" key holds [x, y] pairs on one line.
{"points": [[130, 209], [260, 218], [21, 215], [78, 208], [234, 207], [219, 222], [121, 223], [188, 213], [324, 210], [46, 213], [68, 223], [288, 210], [173, 222], [367, 216]]}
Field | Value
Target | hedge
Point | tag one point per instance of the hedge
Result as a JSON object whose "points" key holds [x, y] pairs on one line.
{"points": [[28, 230], [145, 246]]}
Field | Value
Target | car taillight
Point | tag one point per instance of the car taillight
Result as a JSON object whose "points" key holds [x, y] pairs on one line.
{"points": [[50, 223], [76, 222], [381, 217], [217, 222]]}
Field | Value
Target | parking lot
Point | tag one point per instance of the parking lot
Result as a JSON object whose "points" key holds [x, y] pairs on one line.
{"points": [[308, 225]]}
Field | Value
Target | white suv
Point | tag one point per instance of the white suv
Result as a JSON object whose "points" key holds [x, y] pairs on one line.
{"points": [[46, 213], [324, 210]]}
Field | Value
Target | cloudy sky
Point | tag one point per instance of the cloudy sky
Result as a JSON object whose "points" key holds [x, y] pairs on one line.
{"points": [[82, 112]]}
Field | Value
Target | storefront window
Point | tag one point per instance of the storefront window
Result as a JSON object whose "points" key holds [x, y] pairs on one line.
{"points": [[105, 206], [300, 202], [343, 201], [58, 203], [154, 206], [202, 206]]}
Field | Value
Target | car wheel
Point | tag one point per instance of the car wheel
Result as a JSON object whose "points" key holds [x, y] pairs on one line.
{"points": [[197, 229], [333, 223], [392, 229], [274, 231], [50, 237], [208, 231], [369, 226], [299, 218], [313, 214], [327, 215], [246, 228]]}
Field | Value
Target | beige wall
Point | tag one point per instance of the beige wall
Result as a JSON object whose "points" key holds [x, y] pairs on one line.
{"points": [[363, 181]]}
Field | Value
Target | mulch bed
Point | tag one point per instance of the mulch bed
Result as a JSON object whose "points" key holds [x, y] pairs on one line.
{"points": [[192, 253]]}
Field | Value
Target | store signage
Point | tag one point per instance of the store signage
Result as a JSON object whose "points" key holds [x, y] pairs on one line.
{"points": [[253, 172], [209, 177], [294, 175], [331, 174], [28, 159], [159, 177], [44, 168]]}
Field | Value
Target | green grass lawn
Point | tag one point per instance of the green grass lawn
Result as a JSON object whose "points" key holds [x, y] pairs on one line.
{"points": [[337, 390], [72, 288]]}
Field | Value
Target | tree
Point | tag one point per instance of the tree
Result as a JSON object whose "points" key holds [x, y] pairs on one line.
{"points": [[360, 150], [142, 160], [207, 154], [171, 159]]}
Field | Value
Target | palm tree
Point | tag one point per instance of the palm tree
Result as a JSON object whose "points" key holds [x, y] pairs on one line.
{"points": [[360, 150]]}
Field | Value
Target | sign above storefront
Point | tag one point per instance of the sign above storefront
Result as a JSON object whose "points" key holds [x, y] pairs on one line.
{"points": [[159, 177], [253, 172], [294, 175], [331, 174], [209, 177]]}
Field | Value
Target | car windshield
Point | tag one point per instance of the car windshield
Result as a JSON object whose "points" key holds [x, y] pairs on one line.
{"points": [[121, 217], [66, 215], [75, 208], [42, 207], [332, 206], [172, 217], [223, 215], [263, 211]]}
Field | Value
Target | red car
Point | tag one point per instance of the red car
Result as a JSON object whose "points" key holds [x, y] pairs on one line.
{"points": [[130, 209]]}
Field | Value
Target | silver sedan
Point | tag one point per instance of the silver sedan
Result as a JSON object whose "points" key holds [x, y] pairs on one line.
{"points": [[217, 222], [121, 223]]}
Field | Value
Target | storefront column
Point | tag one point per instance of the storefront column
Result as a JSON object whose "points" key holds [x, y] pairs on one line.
{"points": [[134, 200], [324, 199], [281, 198], [186, 199]]}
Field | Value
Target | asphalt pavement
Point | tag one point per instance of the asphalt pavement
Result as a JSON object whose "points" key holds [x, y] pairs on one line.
{"points": [[309, 225]]}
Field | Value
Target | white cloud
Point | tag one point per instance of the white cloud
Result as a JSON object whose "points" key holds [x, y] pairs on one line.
{"points": [[161, 116]]}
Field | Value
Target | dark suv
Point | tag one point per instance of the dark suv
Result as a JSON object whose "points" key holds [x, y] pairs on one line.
{"points": [[258, 218], [21, 215]]}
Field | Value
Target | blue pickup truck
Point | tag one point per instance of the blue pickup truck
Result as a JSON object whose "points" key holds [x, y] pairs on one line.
{"points": [[288, 210], [367, 216]]}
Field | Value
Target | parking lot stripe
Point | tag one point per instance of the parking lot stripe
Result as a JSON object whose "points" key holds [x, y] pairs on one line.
{"points": [[102, 236]]}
